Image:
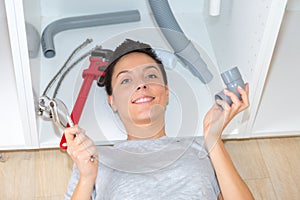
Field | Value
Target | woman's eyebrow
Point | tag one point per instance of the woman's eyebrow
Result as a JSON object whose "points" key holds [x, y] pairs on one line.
{"points": [[145, 69], [151, 66], [122, 72]]}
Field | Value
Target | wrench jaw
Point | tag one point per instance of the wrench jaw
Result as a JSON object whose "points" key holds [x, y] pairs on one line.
{"points": [[105, 54], [55, 115], [59, 114]]}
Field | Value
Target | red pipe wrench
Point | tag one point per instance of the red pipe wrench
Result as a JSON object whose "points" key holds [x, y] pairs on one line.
{"points": [[98, 63]]}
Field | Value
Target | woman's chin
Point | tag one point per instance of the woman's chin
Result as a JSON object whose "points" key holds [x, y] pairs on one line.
{"points": [[149, 115]]}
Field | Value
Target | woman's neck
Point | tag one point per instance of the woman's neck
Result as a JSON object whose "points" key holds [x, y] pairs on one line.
{"points": [[144, 134]]}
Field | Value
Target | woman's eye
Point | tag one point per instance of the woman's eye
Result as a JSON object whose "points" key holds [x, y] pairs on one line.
{"points": [[152, 76], [126, 80]]}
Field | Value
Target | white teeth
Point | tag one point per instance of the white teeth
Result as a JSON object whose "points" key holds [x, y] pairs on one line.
{"points": [[143, 100]]}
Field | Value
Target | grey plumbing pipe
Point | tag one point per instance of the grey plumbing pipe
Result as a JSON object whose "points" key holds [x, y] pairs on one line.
{"points": [[33, 40], [232, 79], [82, 22], [181, 45]]}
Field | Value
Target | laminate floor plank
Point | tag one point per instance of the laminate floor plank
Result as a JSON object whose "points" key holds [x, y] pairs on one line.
{"points": [[282, 159], [270, 167]]}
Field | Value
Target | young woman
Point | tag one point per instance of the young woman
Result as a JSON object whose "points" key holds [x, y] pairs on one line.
{"points": [[137, 89]]}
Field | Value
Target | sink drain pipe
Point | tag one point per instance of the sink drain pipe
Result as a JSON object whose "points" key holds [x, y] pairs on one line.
{"points": [[83, 22], [181, 45]]}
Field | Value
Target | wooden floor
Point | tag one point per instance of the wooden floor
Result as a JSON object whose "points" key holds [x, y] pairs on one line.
{"points": [[271, 168]]}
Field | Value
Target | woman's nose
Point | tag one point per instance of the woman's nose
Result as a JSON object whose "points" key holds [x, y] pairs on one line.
{"points": [[141, 87]]}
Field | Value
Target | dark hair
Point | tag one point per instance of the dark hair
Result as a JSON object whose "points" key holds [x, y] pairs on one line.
{"points": [[127, 47]]}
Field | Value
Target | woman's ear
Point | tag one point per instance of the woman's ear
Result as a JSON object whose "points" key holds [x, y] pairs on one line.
{"points": [[110, 99]]}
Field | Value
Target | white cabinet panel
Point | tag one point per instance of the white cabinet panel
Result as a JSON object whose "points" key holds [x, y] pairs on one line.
{"points": [[279, 111], [18, 57], [12, 134]]}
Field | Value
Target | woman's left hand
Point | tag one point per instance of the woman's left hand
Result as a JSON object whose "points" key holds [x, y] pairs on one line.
{"points": [[217, 119]]}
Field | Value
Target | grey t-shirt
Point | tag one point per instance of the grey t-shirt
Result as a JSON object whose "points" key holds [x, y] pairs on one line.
{"points": [[164, 168]]}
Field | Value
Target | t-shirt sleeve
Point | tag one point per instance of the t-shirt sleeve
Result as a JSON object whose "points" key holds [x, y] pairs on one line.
{"points": [[72, 184]]}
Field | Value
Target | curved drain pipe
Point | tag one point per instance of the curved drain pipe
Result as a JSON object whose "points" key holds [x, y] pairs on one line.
{"points": [[181, 45], [82, 22]]}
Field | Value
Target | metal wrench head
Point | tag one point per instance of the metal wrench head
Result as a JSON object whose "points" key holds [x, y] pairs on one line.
{"points": [[103, 53], [60, 114]]}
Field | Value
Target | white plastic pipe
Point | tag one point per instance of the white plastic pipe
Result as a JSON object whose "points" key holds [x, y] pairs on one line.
{"points": [[214, 7]]}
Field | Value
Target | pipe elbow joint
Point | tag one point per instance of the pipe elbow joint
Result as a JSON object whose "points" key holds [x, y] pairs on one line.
{"points": [[82, 22]]}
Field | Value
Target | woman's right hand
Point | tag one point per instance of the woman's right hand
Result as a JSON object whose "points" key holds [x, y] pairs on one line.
{"points": [[81, 149]]}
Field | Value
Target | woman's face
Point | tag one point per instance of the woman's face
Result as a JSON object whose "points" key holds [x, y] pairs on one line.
{"points": [[139, 94]]}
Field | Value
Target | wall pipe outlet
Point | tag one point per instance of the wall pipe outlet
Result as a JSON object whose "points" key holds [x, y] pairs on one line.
{"points": [[181, 45], [214, 7], [82, 22]]}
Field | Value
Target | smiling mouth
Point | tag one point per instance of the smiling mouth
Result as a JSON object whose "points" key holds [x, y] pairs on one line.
{"points": [[141, 100]]}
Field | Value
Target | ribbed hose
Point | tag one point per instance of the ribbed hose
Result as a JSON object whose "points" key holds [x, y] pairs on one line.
{"points": [[181, 45], [82, 22]]}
